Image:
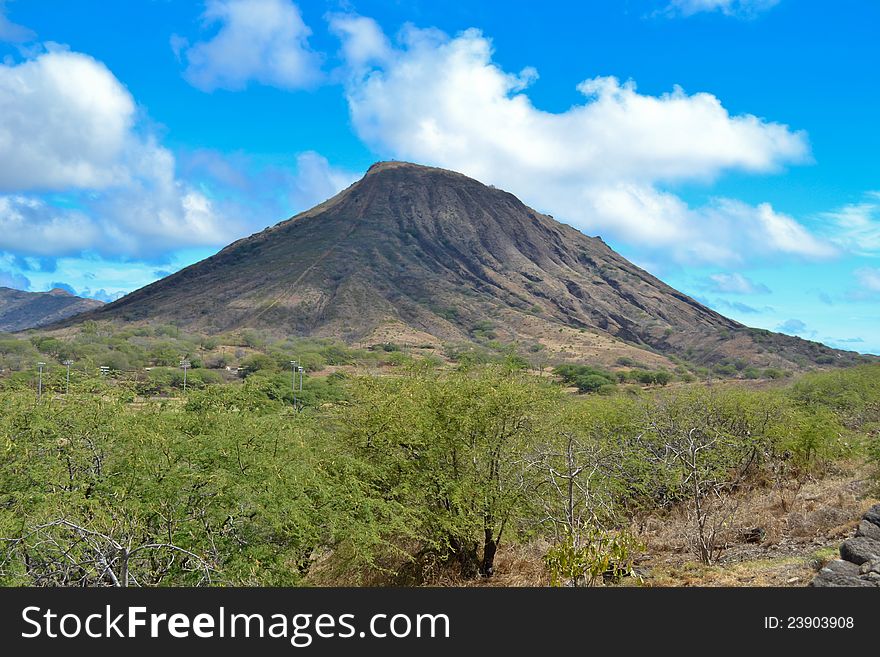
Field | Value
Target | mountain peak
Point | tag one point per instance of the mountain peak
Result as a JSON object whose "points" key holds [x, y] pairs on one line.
{"points": [[385, 165], [415, 253], [404, 169]]}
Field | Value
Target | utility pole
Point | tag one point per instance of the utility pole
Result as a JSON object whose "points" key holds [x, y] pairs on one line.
{"points": [[184, 363], [41, 365], [293, 367], [67, 388]]}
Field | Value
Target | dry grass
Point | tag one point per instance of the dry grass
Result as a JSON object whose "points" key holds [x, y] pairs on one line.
{"points": [[802, 528]]}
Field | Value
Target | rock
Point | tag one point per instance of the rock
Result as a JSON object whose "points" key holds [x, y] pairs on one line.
{"points": [[841, 567], [756, 535], [868, 529], [872, 566], [860, 549], [826, 578], [873, 515], [872, 577]]}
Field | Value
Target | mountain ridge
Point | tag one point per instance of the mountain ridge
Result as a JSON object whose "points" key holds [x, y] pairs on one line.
{"points": [[20, 310]]}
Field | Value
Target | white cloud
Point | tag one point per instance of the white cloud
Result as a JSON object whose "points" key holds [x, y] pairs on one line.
{"points": [[11, 32], [264, 41], [121, 193], [735, 283], [739, 8], [31, 226], [599, 165], [131, 222], [784, 233], [856, 227], [446, 97], [53, 135], [363, 41]]}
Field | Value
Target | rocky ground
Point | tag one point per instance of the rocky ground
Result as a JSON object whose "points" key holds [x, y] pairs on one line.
{"points": [[859, 564]]}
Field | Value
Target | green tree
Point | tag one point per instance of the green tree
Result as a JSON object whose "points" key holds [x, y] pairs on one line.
{"points": [[451, 447]]}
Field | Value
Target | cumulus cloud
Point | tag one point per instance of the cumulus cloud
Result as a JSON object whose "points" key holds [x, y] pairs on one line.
{"points": [[144, 220], [121, 194], [447, 96], [54, 136], [735, 283], [600, 165], [738, 8], [263, 41], [11, 32]]}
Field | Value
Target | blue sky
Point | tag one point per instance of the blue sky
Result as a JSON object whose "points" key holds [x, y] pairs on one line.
{"points": [[728, 146]]}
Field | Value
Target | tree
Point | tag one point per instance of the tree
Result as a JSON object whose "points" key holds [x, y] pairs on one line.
{"points": [[452, 448], [707, 441], [580, 468]]}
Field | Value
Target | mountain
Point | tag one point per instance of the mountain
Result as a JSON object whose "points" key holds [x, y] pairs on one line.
{"points": [[23, 310], [421, 254]]}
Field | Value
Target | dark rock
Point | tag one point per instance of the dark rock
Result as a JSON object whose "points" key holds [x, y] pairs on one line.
{"points": [[753, 535], [860, 549], [841, 567], [868, 529], [826, 578], [873, 515], [872, 566]]}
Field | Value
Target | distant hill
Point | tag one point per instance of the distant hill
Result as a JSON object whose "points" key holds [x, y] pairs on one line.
{"points": [[23, 310], [416, 253]]}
